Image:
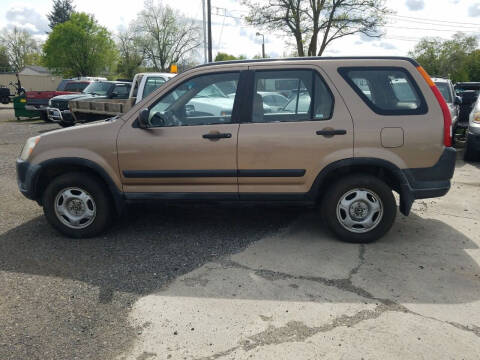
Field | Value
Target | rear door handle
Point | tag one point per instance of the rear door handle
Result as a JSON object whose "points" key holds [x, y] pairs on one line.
{"points": [[331, 132], [213, 136]]}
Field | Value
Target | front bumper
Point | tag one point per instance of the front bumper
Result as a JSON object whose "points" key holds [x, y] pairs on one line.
{"points": [[57, 115], [35, 107], [26, 175]]}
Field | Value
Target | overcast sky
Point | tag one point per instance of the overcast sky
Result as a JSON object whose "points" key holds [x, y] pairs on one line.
{"points": [[413, 19]]}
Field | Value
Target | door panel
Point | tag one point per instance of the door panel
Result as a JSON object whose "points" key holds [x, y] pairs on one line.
{"points": [[191, 143], [290, 144], [178, 159]]}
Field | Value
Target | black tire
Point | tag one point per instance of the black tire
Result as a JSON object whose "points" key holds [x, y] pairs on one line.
{"points": [[365, 182], [470, 154], [44, 116], [97, 191]]}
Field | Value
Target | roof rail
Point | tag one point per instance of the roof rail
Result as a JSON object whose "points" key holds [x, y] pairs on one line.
{"points": [[312, 58]]}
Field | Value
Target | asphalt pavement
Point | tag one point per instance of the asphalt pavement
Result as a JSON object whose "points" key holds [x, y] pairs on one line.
{"points": [[230, 282]]}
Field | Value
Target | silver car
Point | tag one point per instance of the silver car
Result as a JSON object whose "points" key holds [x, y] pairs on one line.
{"points": [[445, 86]]}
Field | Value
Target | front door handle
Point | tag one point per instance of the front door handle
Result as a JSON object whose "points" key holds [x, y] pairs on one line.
{"points": [[217, 135], [331, 132]]}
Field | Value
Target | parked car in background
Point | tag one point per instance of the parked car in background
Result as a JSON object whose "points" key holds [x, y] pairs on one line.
{"points": [[38, 100], [469, 92], [84, 109], [472, 134], [4, 95], [347, 153], [59, 106], [146, 83], [445, 86]]}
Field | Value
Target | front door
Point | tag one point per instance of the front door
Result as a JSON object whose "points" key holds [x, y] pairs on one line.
{"points": [[282, 149], [190, 148]]}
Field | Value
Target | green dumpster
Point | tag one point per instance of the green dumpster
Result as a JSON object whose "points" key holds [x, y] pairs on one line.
{"points": [[19, 107]]}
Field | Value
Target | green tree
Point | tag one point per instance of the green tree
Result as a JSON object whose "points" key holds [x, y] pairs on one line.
{"points": [[19, 45], [224, 57], [131, 55], [473, 66], [79, 47], [315, 24], [446, 58], [4, 64], [61, 12], [166, 36]]}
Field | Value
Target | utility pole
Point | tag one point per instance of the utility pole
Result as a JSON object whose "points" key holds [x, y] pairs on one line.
{"points": [[263, 44], [209, 17], [205, 55]]}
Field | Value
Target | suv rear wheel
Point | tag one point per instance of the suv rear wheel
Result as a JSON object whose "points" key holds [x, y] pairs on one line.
{"points": [[77, 205], [359, 208]]}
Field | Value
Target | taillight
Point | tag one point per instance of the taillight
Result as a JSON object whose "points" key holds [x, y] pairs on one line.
{"points": [[447, 119]]}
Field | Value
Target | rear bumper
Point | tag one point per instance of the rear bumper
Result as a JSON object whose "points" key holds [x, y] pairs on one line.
{"points": [[423, 183]]}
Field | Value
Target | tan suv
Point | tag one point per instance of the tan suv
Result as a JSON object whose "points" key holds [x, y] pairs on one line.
{"points": [[349, 132]]}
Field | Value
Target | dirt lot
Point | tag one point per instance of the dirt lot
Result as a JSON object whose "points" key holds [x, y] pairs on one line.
{"points": [[207, 282]]}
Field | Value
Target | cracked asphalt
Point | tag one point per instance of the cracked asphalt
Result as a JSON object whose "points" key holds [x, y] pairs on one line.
{"points": [[209, 282]]}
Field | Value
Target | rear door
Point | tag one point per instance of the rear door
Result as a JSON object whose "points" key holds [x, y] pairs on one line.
{"points": [[280, 152]]}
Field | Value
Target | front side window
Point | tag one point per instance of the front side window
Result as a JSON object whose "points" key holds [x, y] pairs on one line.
{"points": [[198, 101], [387, 91], [286, 95]]}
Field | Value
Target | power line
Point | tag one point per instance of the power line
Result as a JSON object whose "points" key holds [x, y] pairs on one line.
{"points": [[468, 27], [435, 21], [412, 28]]}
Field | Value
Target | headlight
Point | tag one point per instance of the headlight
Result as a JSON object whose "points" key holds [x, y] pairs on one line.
{"points": [[28, 147], [476, 117]]}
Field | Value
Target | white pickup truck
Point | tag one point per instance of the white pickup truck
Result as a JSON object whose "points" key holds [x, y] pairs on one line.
{"points": [[90, 109]]}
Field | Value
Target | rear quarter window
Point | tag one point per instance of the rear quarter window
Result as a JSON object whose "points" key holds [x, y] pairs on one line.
{"points": [[386, 90]]}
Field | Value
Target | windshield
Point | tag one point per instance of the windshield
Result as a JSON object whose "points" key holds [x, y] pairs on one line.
{"points": [[445, 91], [98, 88], [76, 87]]}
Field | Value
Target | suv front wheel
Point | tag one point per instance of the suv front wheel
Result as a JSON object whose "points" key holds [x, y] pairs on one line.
{"points": [[77, 205], [359, 208]]}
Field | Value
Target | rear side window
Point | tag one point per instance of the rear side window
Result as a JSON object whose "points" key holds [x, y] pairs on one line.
{"points": [[386, 90], [286, 96]]}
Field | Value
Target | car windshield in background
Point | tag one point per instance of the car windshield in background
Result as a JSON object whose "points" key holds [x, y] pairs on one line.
{"points": [[98, 88], [445, 91], [76, 87]]}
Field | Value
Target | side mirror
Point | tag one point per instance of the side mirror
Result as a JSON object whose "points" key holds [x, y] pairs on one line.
{"points": [[113, 95], [143, 119], [458, 100]]}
